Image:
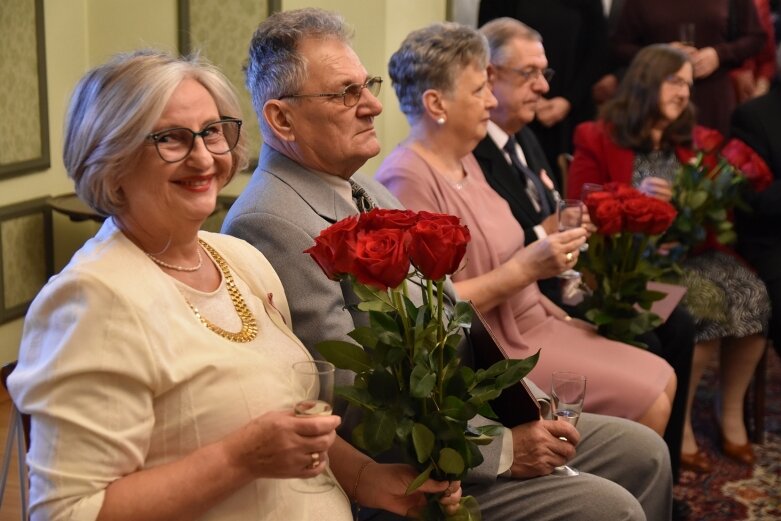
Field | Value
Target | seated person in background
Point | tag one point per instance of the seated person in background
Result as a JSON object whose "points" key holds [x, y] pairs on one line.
{"points": [[312, 147], [515, 47], [758, 123], [440, 78], [159, 356], [638, 140]]}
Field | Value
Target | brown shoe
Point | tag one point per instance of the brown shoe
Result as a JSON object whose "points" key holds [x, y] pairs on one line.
{"points": [[741, 453], [697, 462]]}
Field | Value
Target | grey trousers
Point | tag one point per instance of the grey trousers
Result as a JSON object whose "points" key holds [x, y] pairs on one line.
{"points": [[625, 475]]}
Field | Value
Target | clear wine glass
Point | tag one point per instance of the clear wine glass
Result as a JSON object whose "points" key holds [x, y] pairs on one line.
{"points": [[570, 216], [315, 379], [589, 188], [568, 391], [585, 190]]}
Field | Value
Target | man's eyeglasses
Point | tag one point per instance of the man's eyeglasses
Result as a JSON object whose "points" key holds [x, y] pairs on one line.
{"points": [[175, 144], [529, 74], [350, 95]]}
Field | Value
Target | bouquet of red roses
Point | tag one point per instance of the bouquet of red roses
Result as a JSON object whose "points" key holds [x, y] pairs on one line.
{"points": [[628, 225], [708, 186], [409, 380]]}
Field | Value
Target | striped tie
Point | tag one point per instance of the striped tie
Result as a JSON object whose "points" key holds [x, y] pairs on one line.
{"points": [[362, 199]]}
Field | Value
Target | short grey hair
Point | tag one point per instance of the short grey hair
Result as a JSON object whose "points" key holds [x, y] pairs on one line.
{"points": [[501, 31], [430, 58], [275, 67], [116, 105]]}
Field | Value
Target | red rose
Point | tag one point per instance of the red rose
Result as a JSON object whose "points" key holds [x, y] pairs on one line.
{"points": [[381, 258], [608, 217], [758, 173], [707, 139], [623, 191], [638, 214], [379, 218], [664, 214], [737, 153], [753, 167], [594, 199], [334, 248], [437, 244]]}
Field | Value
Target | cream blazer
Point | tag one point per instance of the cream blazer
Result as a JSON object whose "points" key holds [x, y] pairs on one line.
{"points": [[119, 375]]}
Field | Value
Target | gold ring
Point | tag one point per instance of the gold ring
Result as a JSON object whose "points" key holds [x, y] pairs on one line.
{"points": [[315, 460], [569, 256]]}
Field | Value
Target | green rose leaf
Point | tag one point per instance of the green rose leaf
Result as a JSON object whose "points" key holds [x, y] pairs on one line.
{"points": [[379, 428], [356, 396], [345, 355], [423, 440], [421, 381], [418, 481], [450, 461], [383, 387], [364, 336]]}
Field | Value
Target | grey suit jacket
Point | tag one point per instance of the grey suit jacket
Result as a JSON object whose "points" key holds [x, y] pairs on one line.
{"points": [[281, 210]]}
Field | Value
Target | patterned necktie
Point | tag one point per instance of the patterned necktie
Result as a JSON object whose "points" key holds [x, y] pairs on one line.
{"points": [[362, 199], [534, 186]]}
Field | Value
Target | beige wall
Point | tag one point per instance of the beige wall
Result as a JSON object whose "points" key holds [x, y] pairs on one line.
{"points": [[83, 33]]}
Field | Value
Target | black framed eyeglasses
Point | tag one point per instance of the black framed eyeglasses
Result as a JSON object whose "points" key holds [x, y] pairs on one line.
{"points": [[350, 95], [175, 144], [529, 74]]}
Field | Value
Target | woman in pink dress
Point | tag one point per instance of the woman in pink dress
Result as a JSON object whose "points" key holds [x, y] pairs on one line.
{"points": [[440, 78]]}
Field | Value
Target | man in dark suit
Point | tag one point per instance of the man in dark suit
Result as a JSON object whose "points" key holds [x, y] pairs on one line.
{"points": [[758, 123], [518, 80]]}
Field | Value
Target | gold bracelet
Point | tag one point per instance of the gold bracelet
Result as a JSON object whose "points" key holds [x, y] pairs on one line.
{"points": [[358, 479]]}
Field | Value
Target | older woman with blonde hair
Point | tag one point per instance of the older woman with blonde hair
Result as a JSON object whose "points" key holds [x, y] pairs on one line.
{"points": [[157, 366], [440, 77]]}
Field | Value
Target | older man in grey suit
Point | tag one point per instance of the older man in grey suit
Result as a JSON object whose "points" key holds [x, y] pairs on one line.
{"points": [[316, 105]]}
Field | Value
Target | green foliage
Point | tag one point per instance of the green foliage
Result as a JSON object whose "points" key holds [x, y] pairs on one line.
{"points": [[413, 390], [619, 303], [704, 191]]}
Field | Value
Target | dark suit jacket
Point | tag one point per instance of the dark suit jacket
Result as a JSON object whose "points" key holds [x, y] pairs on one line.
{"points": [[507, 183], [758, 123], [512, 187]]}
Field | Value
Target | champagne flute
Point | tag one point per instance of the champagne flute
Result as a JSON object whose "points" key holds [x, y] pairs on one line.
{"points": [[585, 191], [315, 378], [568, 391], [686, 33], [570, 216], [589, 188]]}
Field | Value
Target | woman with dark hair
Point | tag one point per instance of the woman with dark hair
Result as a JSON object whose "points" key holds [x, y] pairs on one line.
{"points": [[641, 138]]}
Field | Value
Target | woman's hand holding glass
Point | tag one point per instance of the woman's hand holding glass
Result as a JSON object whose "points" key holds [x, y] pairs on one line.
{"points": [[279, 445], [315, 378], [552, 255]]}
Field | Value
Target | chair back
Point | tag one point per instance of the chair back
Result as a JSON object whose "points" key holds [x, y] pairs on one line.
{"points": [[5, 372], [19, 436], [564, 160]]}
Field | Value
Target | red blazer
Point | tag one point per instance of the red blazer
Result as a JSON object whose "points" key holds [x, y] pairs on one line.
{"points": [[598, 159]]}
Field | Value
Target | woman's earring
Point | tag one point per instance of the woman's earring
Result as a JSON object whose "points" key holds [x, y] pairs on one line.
{"points": [[441, 120]]}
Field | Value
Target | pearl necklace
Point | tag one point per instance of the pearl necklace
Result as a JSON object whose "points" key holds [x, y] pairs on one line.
{"points": [[174, 266], [249, 325]]}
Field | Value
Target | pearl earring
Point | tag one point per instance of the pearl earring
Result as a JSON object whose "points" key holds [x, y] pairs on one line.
{"points": [[441, 121]]}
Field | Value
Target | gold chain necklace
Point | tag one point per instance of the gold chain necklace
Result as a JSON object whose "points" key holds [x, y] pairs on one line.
{"points": [[249, 326], [175, 266]]}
